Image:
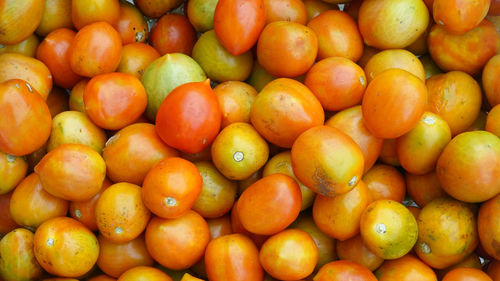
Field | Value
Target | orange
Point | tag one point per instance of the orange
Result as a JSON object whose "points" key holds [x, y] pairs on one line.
{"points": [[344, 270], [136, 57], [85, 12]]}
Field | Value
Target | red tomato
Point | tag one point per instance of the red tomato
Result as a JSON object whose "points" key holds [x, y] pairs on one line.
{"points": [[173, 33]]}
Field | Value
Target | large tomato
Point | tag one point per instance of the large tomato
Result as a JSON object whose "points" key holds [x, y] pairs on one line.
{"points": [[18, 19]]}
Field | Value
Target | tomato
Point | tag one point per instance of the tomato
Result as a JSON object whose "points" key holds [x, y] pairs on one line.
{"points": [[395, 58], [287, 49], [488, 227], [7, 224], [289, 255], [238, 23], [468, 169], [144, 273], [406, 268], [189, 118], [447, 232], [56, 14], [235, 101], [424, 188], [462, 52], [96, 49], [85, 12], [84, 211], [218, 63], [327, 161], [18, 19], [492, 121], [219, 226], [173, 33], [201, 14], [12, 170], [277, 197], [285, 10], [393, 103], [26, 47], [76, 96], [166, 238], [237, 227], [31, 205], [136, 57], [471, 261], [491, 85], [102, 93], [368, 53], [355, 250], [457, 16], [65, 247], [344, 270], [338, 35], [337, 82], [131, 24], [233, 257], [156, 8], [385, 182], [57, 101], [388, 229], [419, 149], [259, 77], [469, 274]]}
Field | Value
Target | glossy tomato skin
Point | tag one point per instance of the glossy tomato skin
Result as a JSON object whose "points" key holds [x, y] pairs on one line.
{"points": [[144, 273], [173, 33], [189, 118], [12, 170], [233, 257], [25, 121], [238, 24], [355, 250], [344, 270], [457, 16], [131, 25], [85, 12], [84, 211], [18, 19], [406, 268], [136, 57], [466, 274]]}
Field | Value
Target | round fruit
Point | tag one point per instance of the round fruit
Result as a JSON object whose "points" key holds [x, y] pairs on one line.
{"points": [[489, 227], [173, 33], [144, 273], [136, 57], [395, 58], [459, 16], [406, 268], [235, 101], [19, 19], [385, 182], [12, 170], [355, 250], [344, 270], [131, 24], [491, 84]]}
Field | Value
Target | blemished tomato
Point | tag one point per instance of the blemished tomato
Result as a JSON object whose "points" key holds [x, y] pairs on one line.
{"points": [[285, 10], [355, 250], [121, 216], [275, 196], [316, 7], [468, 52], [459, 17], [388, 229], [76, 96], [72, 172], [7, 224], [173, 33], [439, 220], [419, 149], [54, 52], [289, 255], [18, 260], [116, 258], [468, 168], [65, 247], [385, 182], [238, 24], [393, 103], [406, 268], [136, 57], [235, 101], [85, 12], [166, 238], [329, 212], [287, 49], [344, 270], [488, 226], [144, 273], [424, 188], [466, 274], [12, 170], [233, 257], [327, 161], [337, 82], [189, 118], [84, 211], [131, 24], [31, 205], [491, 84], [56, 14], [395, 58], [171, 187], [18, 19], [26, 47], [338, 35], [96, 49]]}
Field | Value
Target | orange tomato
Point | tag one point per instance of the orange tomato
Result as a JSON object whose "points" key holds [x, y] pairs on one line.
{"points": [[76, 96], [56, 14], [84, 211], [136, 57], [173, 33], [327, 161], [277, 197], [57, 101], [285, 10], [406, 268], [344, 270], [459, 17], [166, 238], [491, 85], [492, 121], [121, 216], [238, 24], [338, 35], [328, 212], [102, 277], [96, 49], [355, 250], [395, 58], [289, 255], [316, 7], [7, 224], [466, 274], [337, 82], [171, 187], [233, 257], [488, 226], [286, 49], [65, 247], [368, 53], [31, 205], [156, 8], [18, 19], [424, 188], [471, 261], [85, 12], [144, 273], [385, 182], [12, 170], [237, 227], [393, 103], [131, 24], [219, 226], [235, 100]]}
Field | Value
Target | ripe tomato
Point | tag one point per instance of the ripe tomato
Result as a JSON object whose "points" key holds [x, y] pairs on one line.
{"points": [[235, 100], [173, 33], [466, 274], [233, 257], [18, 19], [238, 23], [344, 270], [189, 118], [121, 215], [102, 277], [424, 188], [406, 268], [84, 211], [488, 226], [385, 182], [96, 49], [285, 10], [491, 85], [131, 24], [275, 196], [338, 35], [237, 227], [471, 261], [143, 273], [287, 49], [85, 12], [393, 103], [12, 170], [327, 161], [355, 250], [289, 255], [219, 226], [54, 52], [492, 121], [56, 14], [31, 205], [459, 17], [395, 58], [76, 96], [7, 224], [156, 8], [65, 247], [136, 57], [166, 238]]}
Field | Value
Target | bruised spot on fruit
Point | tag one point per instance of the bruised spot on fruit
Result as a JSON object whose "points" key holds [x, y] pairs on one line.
{"points": [[238, 156], [118, 230], [78, 213], [10, 158], [425, 248], [50, 242], [170, 201], [322, 183], [380, 228]]}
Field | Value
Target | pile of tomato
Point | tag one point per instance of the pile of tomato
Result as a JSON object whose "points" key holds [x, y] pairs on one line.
{"points": [[250, 140]]}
